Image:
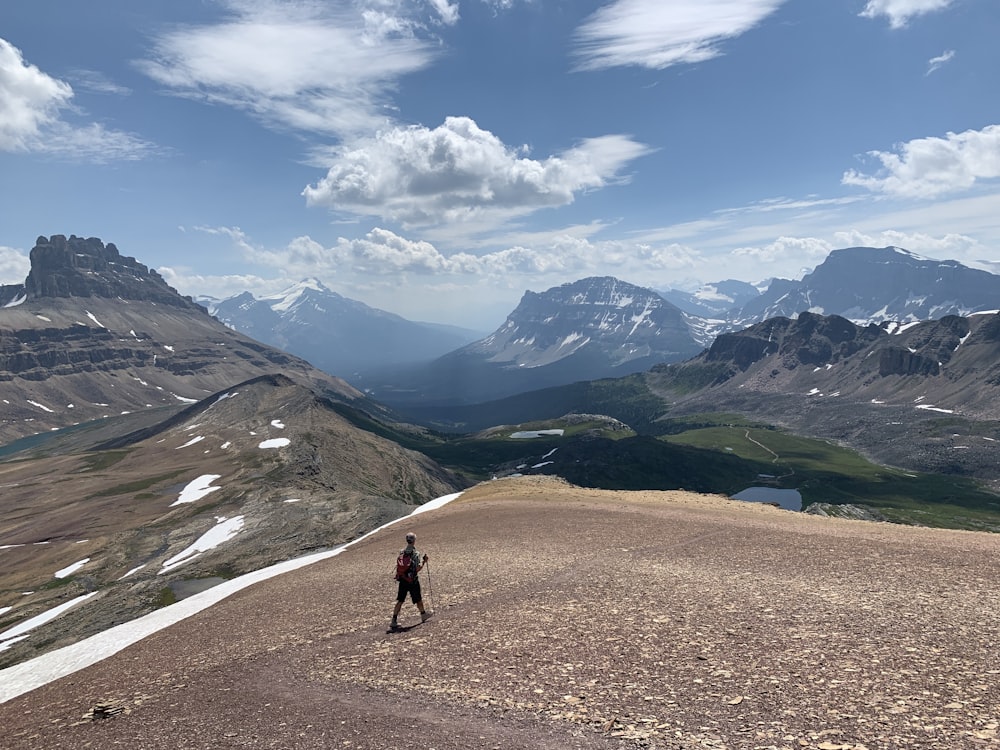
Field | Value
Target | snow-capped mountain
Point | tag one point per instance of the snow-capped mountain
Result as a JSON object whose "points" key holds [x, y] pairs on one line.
{"points": [[333, 332], [713, 301], [871, 285], [585, 330], [621, 321]]}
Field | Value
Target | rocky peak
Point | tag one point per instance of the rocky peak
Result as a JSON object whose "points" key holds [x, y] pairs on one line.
{"points": [[78, 267], [808, 340]]}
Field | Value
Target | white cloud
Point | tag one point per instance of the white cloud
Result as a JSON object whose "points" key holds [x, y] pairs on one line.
{"points": [[936, 62], [314, 67], [929, 167], [447, 11], [14, 266], [31, 117], [899, 12], [93, 80], [30, 100], [384, 255], [954, 246], [802, 251], [458, 172], [660, 33]]}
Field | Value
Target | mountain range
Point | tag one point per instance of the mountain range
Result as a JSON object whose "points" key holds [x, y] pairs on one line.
{"points": [[149, 451], [92, 334], [338, 335], [161, 451], [593, 328]]}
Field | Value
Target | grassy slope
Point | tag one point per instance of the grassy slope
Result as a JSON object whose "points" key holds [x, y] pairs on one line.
{"points": [[715, 453]]}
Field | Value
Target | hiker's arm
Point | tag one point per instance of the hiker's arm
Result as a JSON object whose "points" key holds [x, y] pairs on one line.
{"points": [[423, 563]]}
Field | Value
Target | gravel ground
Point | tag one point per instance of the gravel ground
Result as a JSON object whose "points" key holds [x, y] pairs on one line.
{"points": [[570, 618]]}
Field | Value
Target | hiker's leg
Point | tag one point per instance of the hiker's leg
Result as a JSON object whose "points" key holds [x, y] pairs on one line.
{"points": [[415, 595], [400, 598]]}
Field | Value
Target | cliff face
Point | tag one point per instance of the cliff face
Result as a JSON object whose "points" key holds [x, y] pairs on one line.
{"points": [[92, 332], [78, 267]]}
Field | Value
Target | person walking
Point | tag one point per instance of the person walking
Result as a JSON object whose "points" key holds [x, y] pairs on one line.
{"points": [[408, 566]]}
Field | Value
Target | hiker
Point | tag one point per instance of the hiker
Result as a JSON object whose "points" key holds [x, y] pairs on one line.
{"points": [[408, 565]]}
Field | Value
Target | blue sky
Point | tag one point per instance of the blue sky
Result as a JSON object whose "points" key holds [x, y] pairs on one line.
{"points": [[436, 158]]}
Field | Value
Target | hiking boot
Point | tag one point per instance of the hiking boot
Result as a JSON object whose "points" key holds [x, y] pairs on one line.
{"points": [[393, 625], [425, 616]]}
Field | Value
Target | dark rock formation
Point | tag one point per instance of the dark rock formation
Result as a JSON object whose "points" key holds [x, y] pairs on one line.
{"points": [[78, 267], [808, 340], [895, 360]]}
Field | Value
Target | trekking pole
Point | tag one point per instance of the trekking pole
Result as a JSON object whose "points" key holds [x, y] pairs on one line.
{"points": [[430, 591]]}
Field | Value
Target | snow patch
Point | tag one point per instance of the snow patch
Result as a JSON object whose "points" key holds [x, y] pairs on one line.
{"points": [[93, 318], [224, 530], [71, 569], [275, 443], [528, 434], [197, 489]]}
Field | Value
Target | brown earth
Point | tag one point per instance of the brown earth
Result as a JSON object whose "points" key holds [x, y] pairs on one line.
{"points": [[570, 618]]}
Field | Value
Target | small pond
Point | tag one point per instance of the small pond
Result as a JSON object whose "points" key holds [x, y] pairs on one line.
{"points": [[787, 499]]}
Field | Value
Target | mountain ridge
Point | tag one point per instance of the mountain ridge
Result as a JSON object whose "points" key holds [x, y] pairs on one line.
{"points": [[339, 335], [92, 334]]}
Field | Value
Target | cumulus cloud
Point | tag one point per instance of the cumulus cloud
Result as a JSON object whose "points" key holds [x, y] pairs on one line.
{"points": [[30, 100], [929, 167], [936, 62], [800, 250], [660, 33], [14, 266], [382, 253], [459, 172], [899, 12], [32, 108], [315, 67], [447, 11]]}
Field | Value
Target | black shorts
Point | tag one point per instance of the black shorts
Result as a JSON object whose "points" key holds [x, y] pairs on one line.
{"points": [[409, 587]]}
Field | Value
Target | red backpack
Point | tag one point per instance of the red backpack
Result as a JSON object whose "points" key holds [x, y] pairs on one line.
{"points": [[406, 567]]}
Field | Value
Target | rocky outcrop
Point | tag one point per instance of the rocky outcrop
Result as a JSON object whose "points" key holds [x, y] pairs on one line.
{"points": [[877, 284], [895, 360], [92, 332], [808, 340], [78, 267]]}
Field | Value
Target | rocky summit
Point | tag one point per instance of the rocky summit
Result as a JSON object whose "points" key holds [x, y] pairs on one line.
{"points": [[92, 334], [586, 330]]}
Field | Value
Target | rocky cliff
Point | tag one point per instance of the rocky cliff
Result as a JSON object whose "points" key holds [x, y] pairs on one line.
{"points": [[92, 333]]}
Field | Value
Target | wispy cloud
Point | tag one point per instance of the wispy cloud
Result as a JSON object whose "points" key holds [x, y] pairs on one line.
{"points": [[661, 33], [33, 117], [929, 167], [900, 12], [312, 67], [458, 172], [788, 204], [936, 62], [93, 80]]}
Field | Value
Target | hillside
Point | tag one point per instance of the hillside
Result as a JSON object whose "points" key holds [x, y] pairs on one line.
{"points": [[139, 515], [611, 620], [93, 334]]}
